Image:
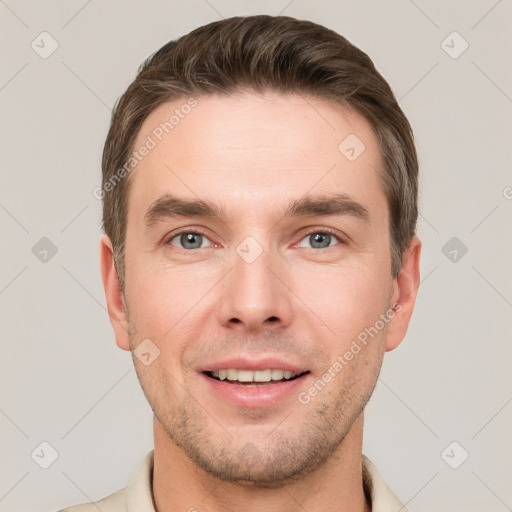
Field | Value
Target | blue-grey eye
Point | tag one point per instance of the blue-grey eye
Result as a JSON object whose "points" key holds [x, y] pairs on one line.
{"points": [[189, 240], [319, 240]]}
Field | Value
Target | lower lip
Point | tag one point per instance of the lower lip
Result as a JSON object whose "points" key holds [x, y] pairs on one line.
{"points": [[254, 397]]}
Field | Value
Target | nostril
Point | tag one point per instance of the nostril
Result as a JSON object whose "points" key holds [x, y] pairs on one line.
{"points": [[269, 319]]}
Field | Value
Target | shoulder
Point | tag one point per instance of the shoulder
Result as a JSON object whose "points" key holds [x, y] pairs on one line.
{"points": [[381, 496], [115, 502], [136, 496]]}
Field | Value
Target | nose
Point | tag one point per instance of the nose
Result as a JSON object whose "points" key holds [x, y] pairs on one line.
{"points": [[255, 295]]}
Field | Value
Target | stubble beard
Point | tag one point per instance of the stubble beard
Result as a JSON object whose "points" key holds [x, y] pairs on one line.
{"points": [[285, 455]]}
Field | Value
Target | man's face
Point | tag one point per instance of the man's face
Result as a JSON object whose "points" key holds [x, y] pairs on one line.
{"points": [[257, 287]]}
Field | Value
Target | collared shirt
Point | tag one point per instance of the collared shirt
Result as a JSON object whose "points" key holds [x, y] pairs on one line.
{"points": [[138, 496]]}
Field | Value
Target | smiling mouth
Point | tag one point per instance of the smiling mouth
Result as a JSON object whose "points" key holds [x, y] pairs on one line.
{"points": [[254, 377]]}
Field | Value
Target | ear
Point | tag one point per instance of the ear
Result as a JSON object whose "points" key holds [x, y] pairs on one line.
{"points": [[113, 294], [405, 287]]}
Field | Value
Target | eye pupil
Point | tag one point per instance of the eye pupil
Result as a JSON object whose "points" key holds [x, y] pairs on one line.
{"points": [[320, 238], [192, 238]]}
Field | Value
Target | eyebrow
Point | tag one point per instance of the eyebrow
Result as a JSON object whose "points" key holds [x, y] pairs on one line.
{"points": [[170, 206]]}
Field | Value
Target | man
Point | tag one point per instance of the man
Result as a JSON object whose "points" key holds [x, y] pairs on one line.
{"points": [[260, 257]]}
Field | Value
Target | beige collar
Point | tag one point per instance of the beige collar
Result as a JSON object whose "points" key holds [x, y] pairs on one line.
{"points": [[139, 496]]}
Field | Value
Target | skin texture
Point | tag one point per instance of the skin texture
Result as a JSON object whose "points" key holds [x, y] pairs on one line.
{"points": [[251, 155]]}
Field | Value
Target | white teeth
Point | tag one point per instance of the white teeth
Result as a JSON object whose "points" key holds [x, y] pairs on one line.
{"points": [[245, 376], [253, 376], [262, 375], [232, 374], [277, 374]]}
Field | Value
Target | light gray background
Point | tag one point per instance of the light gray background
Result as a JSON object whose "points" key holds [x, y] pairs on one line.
{"points": [[63, 379]]}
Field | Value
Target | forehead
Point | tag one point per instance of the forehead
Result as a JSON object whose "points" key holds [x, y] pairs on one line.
{"points": [[250, 147]]}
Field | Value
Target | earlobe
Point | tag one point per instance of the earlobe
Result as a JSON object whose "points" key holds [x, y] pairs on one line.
{"points": [[404, 296], [113, 294]]}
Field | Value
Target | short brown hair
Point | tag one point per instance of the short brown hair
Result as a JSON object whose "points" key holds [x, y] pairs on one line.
{"points": [[258, 53]]}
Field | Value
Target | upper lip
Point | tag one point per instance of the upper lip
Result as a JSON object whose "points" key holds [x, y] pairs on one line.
{"points": [[244, 363]]}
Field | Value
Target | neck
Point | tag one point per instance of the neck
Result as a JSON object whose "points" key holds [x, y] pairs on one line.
{"points": [[179, 484]]}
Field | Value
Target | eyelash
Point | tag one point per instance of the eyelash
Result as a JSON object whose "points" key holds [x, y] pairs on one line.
{"points": [[311, 232]]}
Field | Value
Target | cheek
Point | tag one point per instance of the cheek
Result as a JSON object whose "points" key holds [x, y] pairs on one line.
{"points": [[344, 300], [165, 296], [169, 306]]}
